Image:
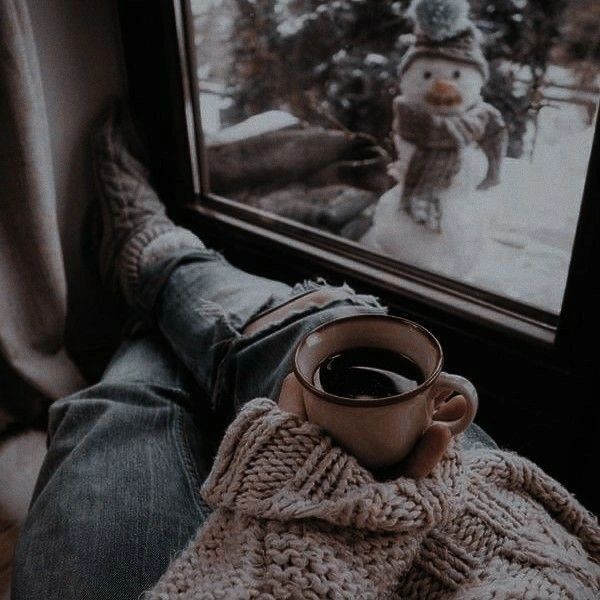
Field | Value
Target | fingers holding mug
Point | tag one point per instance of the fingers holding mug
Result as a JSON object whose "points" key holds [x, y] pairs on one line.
{"points": [[458, 412], [451, 410], [291, 398]]}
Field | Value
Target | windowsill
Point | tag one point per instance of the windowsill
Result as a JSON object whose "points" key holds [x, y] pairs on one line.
{"points": [[405, 282]]}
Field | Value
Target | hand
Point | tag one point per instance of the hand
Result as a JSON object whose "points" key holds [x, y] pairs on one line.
{"points": [[432, 444], [428, 450], [290, 397]]}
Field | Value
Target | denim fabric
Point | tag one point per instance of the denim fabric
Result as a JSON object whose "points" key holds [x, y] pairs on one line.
{"points": [[117, 497], [118, 494], [203, 308]]}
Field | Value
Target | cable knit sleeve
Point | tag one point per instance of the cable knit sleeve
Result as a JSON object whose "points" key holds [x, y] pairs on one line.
{"points": [[270, 460], [273, 465], [294, 516]]}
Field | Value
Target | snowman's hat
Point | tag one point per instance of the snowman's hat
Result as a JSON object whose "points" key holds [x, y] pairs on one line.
{"points": [[444, 30]]}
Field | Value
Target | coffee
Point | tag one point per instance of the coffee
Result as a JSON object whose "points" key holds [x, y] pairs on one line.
{"points": [[367, 373]]}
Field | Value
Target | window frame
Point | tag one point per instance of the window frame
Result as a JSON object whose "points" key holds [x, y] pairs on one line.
{"points": [[355, 260], [550, 362]]}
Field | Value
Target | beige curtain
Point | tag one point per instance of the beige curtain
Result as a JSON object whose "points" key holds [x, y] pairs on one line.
{"points": [[32, 277]]}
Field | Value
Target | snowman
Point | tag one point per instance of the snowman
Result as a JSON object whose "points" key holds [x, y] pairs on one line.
{"points": [[449, 142]]}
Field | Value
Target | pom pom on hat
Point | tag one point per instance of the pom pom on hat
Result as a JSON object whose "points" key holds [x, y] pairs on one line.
{"points": [[444, 30], [441, 19]]}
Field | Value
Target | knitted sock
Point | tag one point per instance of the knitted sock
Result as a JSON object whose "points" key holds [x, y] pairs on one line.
{"points": [[135, 229]]}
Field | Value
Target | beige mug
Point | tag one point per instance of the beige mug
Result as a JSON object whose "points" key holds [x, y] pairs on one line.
{"points": [[379, 432]]}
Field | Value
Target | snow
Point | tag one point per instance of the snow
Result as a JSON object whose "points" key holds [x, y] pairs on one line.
{"points": [[211, 106], [528, 221], [272, 120], [373, 59], [291, 19], [555, 75], [534, 216], [339, 56]]}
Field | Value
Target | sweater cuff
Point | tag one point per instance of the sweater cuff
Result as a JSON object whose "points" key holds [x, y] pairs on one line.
{"points": [[263, 449], [273, 465]]}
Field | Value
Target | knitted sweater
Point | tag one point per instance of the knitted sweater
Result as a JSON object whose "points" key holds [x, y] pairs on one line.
{"points": [[296, 517]]}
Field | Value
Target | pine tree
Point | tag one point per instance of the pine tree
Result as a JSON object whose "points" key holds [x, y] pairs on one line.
{"points": [[519, 33], [337, 61]]}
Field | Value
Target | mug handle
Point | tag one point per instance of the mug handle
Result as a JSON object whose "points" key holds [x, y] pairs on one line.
{"points": [[445, 385]]}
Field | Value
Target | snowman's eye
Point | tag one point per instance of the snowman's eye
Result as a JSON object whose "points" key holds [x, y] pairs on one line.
{"points": [[427, 75], [456, 74]]}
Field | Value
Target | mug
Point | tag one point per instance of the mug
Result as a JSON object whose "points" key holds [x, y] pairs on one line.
{"points": [[379, 432]]}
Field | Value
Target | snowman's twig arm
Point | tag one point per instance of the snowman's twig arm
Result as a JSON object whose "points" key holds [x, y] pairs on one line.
{"points": [[493, 144], [396, 123], [404, 149]]}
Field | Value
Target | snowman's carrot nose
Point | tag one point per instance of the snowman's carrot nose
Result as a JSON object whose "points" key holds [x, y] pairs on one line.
{"points": [[443, 93]]}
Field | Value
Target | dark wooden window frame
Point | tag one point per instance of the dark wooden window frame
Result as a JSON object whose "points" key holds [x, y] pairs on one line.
{"points": [[537, 376]]}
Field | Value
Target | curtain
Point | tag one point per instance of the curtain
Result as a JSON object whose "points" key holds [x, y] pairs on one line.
{"points": [[32, 276]]}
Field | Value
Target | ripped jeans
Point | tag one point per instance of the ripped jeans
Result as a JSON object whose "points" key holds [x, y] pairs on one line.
{"points": [[117, 497]]}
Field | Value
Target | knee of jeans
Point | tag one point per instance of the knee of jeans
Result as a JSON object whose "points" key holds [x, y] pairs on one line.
{"points": [[69, 420], [310, 296], [354, 297], [111, 403], [75, 412]]}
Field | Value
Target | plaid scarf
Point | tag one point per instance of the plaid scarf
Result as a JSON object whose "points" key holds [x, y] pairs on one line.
{"points": [[437, 160]]}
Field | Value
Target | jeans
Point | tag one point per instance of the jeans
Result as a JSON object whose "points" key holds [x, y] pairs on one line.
{"points": [[117, 497]]}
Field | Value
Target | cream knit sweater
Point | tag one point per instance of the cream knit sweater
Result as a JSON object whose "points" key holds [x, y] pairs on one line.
{"points": [[296, 517]]}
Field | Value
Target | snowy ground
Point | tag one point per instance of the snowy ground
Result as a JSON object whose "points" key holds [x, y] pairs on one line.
{"points": [[533, 216]]}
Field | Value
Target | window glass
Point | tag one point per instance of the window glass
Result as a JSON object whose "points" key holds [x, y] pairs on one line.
{"points": [[450, 136]]}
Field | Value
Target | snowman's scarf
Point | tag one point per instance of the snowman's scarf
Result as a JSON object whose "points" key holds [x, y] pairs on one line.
{"points": [[437, 160]]}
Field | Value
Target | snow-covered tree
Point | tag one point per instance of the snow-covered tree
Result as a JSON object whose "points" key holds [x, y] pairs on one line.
{"points": [[337, 61]]}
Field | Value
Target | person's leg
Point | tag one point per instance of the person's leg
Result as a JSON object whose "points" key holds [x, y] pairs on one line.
{"points": [[207, 310], [117, 497], [200, 302], [211, 312]]}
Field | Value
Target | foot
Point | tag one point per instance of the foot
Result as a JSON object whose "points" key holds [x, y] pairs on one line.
{"points": [[134, 228]]}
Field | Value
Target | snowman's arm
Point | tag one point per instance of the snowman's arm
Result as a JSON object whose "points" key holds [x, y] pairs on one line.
{"points": [[405, 151], [396, 123], [493, 144], [404, 148]]}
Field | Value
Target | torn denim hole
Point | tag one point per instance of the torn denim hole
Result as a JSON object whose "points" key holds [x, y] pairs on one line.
{"points": [[215, 338], [224, 327], [266, 306], [309, 285], [348, 297]]}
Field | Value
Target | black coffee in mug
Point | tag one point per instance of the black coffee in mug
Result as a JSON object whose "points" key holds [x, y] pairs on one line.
{"points": [[368, 373]]}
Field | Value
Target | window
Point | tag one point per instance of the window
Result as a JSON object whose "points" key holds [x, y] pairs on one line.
{"points": [[532, 367], [457, 167]]}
